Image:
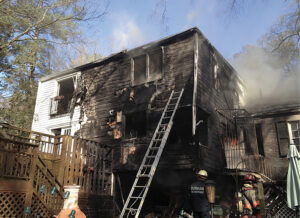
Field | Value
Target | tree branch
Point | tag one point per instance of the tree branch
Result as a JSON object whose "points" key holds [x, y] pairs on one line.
{"points": [[29, 28]]}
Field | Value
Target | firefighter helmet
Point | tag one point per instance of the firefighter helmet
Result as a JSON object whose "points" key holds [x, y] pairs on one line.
{"points": [[249, 177], [202, 173]]}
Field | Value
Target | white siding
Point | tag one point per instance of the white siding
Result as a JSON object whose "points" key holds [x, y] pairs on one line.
{"points": [[42, 122]]}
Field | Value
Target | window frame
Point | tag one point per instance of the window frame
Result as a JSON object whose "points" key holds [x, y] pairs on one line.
{"points": [[290, 131], [147, 66], [54, 103]]}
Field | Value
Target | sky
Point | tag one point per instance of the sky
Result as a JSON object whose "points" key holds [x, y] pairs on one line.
{"points": [[131, 23]]}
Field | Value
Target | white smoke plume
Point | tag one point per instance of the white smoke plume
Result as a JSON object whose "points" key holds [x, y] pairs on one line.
{"points": [[264, 80], [126, 34]]}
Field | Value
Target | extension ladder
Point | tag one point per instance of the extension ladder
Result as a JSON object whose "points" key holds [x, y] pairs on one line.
{"points": [[138, 192]]}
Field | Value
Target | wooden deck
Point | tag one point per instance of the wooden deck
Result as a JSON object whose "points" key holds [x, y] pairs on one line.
{"points": [[32, 164]]}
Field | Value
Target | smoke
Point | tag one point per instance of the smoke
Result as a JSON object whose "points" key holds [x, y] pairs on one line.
{"points": [[264, 80], [126, 34]]}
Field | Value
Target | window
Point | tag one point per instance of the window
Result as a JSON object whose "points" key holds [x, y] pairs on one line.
{"points": [[294, 127], [259, 138], [283, 138], [61, 103], [140, 69], [147, 67]]}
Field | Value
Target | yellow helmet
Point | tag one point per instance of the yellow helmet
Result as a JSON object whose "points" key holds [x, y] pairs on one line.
{"points": [[202, 173]]}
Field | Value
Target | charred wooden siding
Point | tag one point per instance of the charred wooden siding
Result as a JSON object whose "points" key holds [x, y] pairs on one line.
{"points": [[216, 89], [273, 156], [109, 86]]}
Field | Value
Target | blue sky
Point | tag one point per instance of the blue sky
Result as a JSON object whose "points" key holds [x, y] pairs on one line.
{"points": [[130, 23]]}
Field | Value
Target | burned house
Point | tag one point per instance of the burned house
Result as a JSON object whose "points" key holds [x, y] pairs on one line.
{"points": [[261, 148], [114, 106], [125, 96]]}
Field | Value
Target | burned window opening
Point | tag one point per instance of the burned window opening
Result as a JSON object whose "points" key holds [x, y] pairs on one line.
{"points": [[259, 138], [155, 65], [61, 103], [135, 124], [248, 149], [140, 69]]}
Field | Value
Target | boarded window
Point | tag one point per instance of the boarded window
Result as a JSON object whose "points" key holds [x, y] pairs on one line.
{"points": [[283, 138], [259, 138], [155, 65], [135, 124], [140, 75]]}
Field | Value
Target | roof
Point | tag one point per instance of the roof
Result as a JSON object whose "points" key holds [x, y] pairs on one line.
{"points": [[114, 56], [268, 110]]}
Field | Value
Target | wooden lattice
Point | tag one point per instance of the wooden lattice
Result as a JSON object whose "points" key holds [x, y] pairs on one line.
{"points": [[38, 209], [12, 204]]}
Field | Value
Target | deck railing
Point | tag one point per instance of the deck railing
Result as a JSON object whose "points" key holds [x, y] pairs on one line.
{"points": [[42, 160], [77, 161]]}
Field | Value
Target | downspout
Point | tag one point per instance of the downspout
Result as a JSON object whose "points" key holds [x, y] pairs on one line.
{"points": [[194, 105]]}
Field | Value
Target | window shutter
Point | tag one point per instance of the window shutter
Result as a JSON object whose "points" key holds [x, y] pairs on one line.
{"points": [[53, 106]]}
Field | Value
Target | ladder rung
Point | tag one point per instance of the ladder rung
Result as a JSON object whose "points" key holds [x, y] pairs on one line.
{"points": [[166, 117], [154, 148], [150, 157], [147, 166], [157, 140], [144, 175], [130, 209], [136, 197], [163, 124]]}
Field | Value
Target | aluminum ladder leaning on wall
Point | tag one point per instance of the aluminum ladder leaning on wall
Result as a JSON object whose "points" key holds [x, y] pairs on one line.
{"points": [[138, 192]]}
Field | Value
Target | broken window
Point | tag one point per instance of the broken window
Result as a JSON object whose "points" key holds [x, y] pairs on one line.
{"points": [[283, 138], [135, 124], [61, 103], [259, 138], [146, 68]]}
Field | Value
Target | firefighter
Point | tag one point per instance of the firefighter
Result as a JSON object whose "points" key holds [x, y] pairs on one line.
{"points": [[199, 201], [251, 203]]}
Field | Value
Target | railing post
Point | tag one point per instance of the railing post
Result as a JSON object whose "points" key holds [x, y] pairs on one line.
{"points": [[61, 163], [29, 188]]}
